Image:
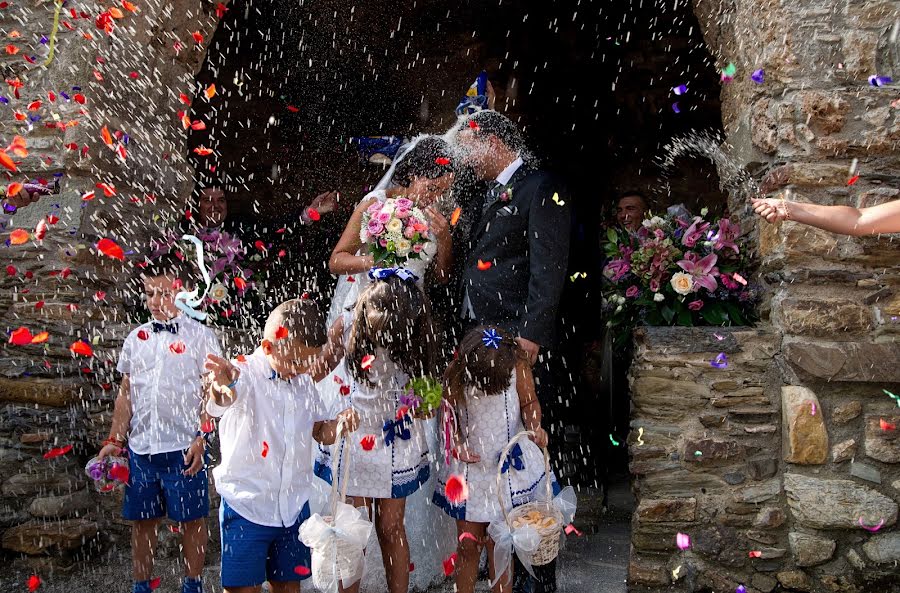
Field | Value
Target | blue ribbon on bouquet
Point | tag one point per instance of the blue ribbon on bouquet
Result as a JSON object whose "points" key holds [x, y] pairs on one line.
{"points": [[385, 273], [476, 97], [514, 459], [398, 428]]}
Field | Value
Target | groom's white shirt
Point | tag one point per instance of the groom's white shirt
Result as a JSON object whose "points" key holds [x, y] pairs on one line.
{"points": [[502, 179]]}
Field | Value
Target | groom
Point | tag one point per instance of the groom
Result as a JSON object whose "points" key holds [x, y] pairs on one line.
{"points": [[518, 248]]}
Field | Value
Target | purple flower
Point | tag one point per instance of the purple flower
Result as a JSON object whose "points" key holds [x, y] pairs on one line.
{"points": [[654, 285], [632, 291], [695, 305], [404, 204], [726, 236], [694, 232], [703, 270], [375, 227]]}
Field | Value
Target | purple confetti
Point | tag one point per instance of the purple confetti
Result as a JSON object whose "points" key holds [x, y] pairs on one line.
{"points": [[720, 361], [44, 40], [741, 589], [34, 117], [675, 107], [65, 96], [4, 100], [758, 76], [76, 88], [679, 90], [876, 80]]}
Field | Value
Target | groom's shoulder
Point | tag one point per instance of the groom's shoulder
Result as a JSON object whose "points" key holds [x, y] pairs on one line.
{"points": [[538, 178]]}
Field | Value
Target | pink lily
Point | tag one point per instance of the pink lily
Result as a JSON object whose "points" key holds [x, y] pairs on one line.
{"points": [[725, 238], [694, 232], [704, 270]]}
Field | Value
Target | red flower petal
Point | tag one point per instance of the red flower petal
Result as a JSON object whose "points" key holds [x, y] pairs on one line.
{"points": [[119, 473], [367, 361], [450, 562], [10, 270], [40, 338], [454, 218], [177, 347], [412, 567], [207, 427], [34, 581], [281, 333], [265, 449], [109, 248], [154, 583], [466, 535], [20, 337], [345, 390], [301, 570], [240, 283], [885, 425], [484, 265], [442, 161], [81, 347], [456, 490], [313, 214], [143, 335], [57, 451], [368, 442]]}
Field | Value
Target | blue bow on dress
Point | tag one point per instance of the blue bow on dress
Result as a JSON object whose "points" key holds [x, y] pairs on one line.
{"points": [[515, 459], [397, 428], [165, 327], [385, 273]]}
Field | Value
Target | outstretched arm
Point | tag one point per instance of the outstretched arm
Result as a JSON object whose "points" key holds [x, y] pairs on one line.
{"points": [[844, 220], [344, 259], [332, 353]]}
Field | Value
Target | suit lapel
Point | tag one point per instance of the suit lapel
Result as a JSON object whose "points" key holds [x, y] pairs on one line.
{"points": [[489, 211]]}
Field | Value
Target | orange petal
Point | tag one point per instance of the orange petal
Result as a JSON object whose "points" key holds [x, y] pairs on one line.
{"points": [[7, 162], [13, 188], [210, 91], [40, 338], [19, 236], [454, 218], [107, 137]]}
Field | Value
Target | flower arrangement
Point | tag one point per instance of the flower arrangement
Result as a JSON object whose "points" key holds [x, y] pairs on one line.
{"points": [[423, 392], [675, 271], [395, 231]]}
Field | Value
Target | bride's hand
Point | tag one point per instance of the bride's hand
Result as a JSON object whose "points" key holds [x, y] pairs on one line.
{"points": [[440, 228]]}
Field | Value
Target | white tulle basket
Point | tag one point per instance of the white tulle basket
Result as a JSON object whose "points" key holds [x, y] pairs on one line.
{"points": [[549, 524], [338, 540]]}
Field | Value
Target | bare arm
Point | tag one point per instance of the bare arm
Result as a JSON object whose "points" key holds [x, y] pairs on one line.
{"points": [[223, 374], [528, 402], [326, 431], [844, 220], [118, 432], [443, 261], [344, 259], [332, 353]]}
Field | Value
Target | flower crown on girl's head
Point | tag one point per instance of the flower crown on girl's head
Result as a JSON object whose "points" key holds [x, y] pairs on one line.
{"points": [[491, 339], [385, 273]]}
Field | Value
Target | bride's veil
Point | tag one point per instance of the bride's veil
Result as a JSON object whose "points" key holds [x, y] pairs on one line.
{"points": [[346, 291]]}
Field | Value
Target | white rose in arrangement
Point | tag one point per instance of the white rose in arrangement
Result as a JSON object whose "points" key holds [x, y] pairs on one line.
{"points": [[395, 225], [218, 292], [403, 247], [654, 223], [682, 283], [659, 297]]}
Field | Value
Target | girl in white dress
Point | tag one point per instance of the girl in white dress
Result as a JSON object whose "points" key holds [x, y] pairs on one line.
{"points": [[491, 389], [386, 340]]}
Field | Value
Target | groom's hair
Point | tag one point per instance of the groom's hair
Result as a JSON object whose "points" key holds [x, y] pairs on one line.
{"points": [[491, 123]]}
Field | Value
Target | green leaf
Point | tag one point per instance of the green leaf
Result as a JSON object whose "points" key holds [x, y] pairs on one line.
{"points": [[611, 235], [735, 313], [683, 314], [713, 314], [668, 313]]}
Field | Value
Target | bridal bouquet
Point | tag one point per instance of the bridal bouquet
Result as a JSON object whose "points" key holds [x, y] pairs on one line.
{"points": [[395, 231], [677, 271]]}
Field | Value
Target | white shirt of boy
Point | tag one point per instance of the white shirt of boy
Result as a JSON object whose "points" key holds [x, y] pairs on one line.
{"points": [[266, 437], [164, 368]]}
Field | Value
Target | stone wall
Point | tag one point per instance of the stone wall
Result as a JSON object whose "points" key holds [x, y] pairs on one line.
{"points": [[131, 80], [798, 448]]}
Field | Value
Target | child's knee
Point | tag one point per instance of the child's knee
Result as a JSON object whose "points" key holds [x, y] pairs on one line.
{"points": [[389, 526]]}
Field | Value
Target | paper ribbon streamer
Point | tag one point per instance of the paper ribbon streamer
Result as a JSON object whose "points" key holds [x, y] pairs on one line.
{"points": [[350, 532], [524, 540], [188, 301], [53, 31]]}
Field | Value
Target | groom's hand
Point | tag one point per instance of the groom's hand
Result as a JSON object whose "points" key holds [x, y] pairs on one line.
{"points": [[530, 348]]}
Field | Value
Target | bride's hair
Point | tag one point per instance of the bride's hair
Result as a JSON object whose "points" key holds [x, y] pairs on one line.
{"points": [[431, 157], [481, 366], [395, 316]]}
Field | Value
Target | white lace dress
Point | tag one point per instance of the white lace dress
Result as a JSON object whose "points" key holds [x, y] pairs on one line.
{"points": [[486, 425]]}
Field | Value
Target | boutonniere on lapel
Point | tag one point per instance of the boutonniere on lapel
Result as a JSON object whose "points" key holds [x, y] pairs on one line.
{"points": [[506, 194]]}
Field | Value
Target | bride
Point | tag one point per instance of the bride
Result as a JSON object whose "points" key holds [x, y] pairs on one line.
{"points": [[422, 173]]}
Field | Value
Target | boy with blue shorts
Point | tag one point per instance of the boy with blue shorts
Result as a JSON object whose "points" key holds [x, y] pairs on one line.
{"points": [[159, 412], [270, 411]]}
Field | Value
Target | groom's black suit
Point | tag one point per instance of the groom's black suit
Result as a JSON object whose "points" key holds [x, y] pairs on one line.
{"points": [[525, 238]]}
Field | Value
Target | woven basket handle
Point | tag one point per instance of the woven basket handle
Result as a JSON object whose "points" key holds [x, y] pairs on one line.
{"points": [[339, 445], [506, 450]]}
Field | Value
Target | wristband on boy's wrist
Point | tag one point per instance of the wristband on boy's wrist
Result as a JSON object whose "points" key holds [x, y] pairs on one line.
{"points": [[117, 442]]}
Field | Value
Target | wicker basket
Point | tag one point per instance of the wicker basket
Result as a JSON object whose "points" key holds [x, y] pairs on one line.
{"points": [[345, 564], [550, 533]]}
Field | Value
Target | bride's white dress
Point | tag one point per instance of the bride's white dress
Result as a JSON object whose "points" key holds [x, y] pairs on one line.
{"points": [[431, 534]]}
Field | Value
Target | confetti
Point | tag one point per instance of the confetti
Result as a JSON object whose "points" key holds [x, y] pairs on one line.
{"points": [[728, 73], [720, 361], [876, 80], [570, 529], [812, 408], [758, 76], [740, 589], [886, 426], [454, 218], [20, 337], [109, 248], [683, 541], [177, 347], [19, 236], [367, 361], [40, 231], [612, 440], [34, 581], [367, 442], [240, 283], [281, 333], [313, 214], [265, 449], [81, 348], [456, 490], [853, 180], [303, 571], [640, 436], [755, 554], [154, 583], [557, 200], [483, 266], [466, 535], [57, 452], [450, 561], [676, 108], [40, 338], [442, 161], [873, 528], [679, 90]]}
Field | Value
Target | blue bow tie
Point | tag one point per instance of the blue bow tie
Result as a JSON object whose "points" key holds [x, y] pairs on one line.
{"points": [[397, 428], [165, 327], [514, 459]]}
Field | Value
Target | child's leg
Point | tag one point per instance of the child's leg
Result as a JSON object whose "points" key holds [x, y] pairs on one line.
{"points": [[284, 587], [468, 555], [504, 585], [143, 548], [195, 536], [389, 514], [357, 501]]}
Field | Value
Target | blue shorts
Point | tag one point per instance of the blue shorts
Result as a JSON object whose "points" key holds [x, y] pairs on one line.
{"points": [[253, 553], [157, 487]]}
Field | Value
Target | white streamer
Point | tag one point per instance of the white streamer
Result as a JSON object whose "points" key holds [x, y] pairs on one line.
{"points": [[188, 301], [337, 547]]}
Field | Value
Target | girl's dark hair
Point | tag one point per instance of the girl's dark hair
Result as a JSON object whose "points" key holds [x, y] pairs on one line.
{"points": [[394, 315], [430, 157], [480, 366]]}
